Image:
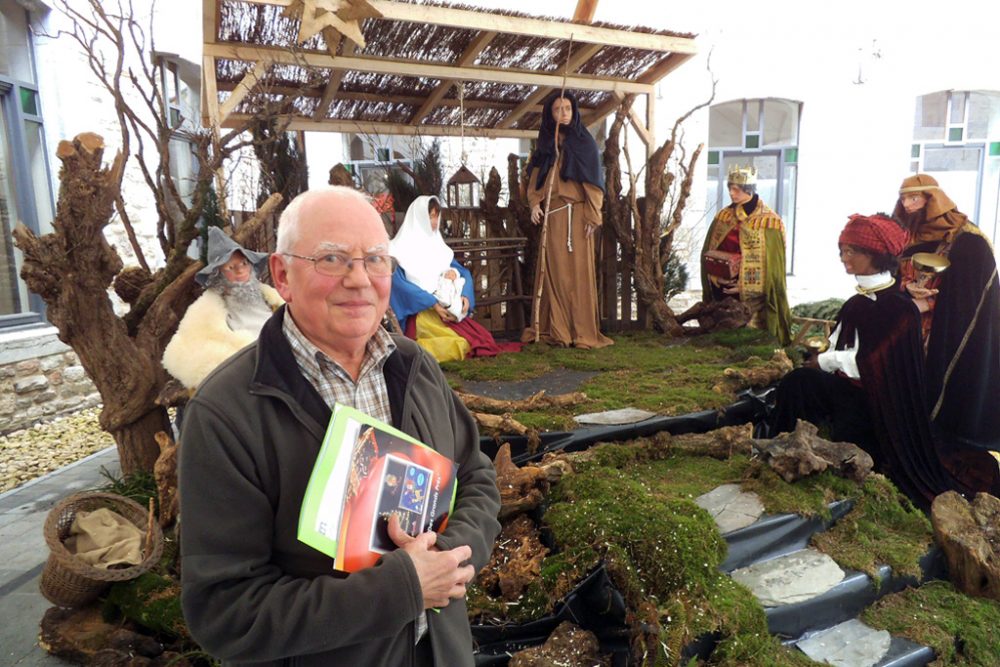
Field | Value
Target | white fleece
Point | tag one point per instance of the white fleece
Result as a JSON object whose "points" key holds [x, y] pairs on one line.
{"points": [[204, 340]]}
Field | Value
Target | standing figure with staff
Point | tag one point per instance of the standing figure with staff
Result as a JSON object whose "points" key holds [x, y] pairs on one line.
{"points": [[566, 193]]}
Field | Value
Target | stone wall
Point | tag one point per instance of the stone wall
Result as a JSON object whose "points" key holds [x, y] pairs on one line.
{"points": [[40, 378]]}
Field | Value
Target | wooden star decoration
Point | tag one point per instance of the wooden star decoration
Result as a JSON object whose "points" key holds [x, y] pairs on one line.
{"points": [[344, 16]]}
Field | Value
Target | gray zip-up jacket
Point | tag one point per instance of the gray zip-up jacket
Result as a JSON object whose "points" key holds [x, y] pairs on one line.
{"points": [[251, 592]]}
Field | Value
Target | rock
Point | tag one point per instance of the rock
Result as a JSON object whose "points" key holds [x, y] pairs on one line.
{"points": [[74, 374], [802, 453], [968, 535], [849, 644], [28, 366], [46, 396], [796, 577], [730, 507], [567, 646], [50, 363], [31, 383], [621, 416]]}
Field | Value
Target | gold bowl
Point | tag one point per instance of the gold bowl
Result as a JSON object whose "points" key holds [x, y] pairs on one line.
{"points": [[817, 344], [930, 262]]}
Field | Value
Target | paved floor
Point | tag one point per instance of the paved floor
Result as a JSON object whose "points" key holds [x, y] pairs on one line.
{"points": [[23, 553]]}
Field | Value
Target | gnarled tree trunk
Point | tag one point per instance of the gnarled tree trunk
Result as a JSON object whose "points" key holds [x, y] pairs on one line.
{"points": [[643, 231], [72, 269]]}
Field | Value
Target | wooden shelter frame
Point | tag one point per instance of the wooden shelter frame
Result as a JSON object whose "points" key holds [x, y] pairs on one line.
{"points": [[513, 112], [405, 81]]}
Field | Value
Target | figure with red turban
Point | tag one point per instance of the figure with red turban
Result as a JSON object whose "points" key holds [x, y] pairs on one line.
{"points": [[869, 387]]}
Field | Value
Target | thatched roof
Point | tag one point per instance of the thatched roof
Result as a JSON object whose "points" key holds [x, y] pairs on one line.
{"points": [[404, 80]]}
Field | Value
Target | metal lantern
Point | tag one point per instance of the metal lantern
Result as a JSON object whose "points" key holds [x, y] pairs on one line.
{"points": [[463, 189]]}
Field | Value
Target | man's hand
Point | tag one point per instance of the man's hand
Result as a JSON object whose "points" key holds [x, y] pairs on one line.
{"points": [[536, 214], [465, 306], [590, 230], [441, 573], [451, 274], [444, 313]]}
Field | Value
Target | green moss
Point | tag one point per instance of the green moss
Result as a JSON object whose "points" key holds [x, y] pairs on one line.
{"points": [[961, 629], [674, 543], [641, 370], [757, 649], [152, 601], [809, 496], [884, 528]]}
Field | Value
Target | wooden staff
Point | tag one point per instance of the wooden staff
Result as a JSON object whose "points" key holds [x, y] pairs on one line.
{"points": [[553, 174]]}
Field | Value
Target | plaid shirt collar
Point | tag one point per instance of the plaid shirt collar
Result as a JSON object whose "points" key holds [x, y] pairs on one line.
{"points": [[317, 366]]}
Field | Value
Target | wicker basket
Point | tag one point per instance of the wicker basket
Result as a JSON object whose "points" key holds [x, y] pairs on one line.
{"points": [[69, 582]]}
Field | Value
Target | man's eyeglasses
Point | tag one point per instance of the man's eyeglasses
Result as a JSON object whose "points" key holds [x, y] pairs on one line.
{"points": [[336, 264]]}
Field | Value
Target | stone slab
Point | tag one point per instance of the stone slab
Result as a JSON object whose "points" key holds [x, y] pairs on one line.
{"points": [[731, 507], [849, 644], [797, 577], [614, 417]]}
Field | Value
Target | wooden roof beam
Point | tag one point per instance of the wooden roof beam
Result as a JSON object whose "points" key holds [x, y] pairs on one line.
{"points": [[602, 111], [646, 133], [520, 25], [209, 93], [423, 69], [368, 127], [576, 61], [664, 67], [209, 20], [480, 42], [243, 88], [585, 10], [333, 85]]}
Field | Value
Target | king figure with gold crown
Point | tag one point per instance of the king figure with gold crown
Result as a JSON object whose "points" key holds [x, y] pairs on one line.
{"points": [[744, 256]]}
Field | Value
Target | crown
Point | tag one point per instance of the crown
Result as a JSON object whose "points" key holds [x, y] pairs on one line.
{"points": [[742, 175]]}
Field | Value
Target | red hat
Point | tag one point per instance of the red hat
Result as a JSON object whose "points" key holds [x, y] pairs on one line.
{"points": [[877, 233]]}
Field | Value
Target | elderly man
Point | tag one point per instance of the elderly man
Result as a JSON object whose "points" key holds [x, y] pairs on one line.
{"points": [[252, 593], [227, 317], [751, 232]]}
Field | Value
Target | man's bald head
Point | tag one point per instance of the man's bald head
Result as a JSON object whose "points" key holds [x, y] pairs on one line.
{"points": [[328, 199]]}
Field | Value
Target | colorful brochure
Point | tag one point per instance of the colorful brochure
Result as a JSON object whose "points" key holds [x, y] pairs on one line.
{"points": [[366, 472]]}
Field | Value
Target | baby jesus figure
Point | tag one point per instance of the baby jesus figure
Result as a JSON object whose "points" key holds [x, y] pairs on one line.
{"points": [[449, 293]]}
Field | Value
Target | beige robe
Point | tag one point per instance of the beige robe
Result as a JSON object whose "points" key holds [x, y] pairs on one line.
{"points": [[568, 306]]}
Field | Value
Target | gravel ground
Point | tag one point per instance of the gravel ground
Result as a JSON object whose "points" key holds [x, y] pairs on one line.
{"points": [[32, 452]]}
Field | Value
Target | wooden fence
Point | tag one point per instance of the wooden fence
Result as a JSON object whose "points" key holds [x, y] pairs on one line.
{"points": [[496, 256], [504, 282]]}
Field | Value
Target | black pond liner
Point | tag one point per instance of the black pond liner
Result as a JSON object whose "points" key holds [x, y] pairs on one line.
{"points": [[855, 592], [747, 408], [776, 535], [594, 604]]}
